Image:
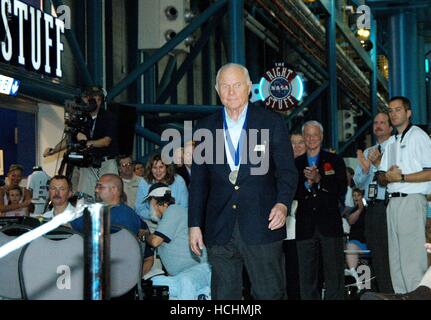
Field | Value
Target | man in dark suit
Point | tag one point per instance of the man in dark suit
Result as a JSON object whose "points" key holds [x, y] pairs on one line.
{"points": [[242, 204], [322, 182]]}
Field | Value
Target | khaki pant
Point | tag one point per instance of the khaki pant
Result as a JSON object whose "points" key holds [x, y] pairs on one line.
{"points": [[428, 235], [406, 238]]}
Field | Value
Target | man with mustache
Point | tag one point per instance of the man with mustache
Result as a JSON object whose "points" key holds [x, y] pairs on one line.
{"points": [[365, 178], [60, 190]]}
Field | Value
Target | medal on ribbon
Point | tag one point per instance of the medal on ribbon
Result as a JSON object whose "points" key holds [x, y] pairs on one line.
{"points": [[235, 152]]}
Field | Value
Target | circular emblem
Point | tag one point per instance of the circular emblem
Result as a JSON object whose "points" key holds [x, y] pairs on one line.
{"points": [[281, 88]]}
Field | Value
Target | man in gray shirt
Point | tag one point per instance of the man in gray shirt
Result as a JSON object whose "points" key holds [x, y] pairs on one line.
{"points": [[191, 273]]}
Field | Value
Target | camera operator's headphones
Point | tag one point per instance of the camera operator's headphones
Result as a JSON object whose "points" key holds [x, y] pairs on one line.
{"points": [[92, 91]]}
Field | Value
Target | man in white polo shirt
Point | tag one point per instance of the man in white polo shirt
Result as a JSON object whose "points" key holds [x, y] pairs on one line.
{"points": [[410, 150], [60, 191]]}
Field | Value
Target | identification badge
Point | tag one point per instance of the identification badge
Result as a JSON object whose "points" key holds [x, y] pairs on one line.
{"points": [[372, 191]]}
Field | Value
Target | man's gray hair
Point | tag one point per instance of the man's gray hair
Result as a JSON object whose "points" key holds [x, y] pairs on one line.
{"points": [[233, 65], [312, 123]]}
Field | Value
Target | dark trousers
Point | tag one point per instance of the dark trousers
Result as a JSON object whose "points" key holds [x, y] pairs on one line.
{"points": [[376, 234], [264, 264], [292, 270], [331, 249]]}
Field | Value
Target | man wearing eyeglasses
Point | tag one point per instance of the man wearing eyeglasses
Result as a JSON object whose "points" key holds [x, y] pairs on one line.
{"points": [[130, 180], [60, 191], [410, 150]]}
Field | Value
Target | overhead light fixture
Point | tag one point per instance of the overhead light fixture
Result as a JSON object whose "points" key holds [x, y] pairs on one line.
{"points": [[363, 33]]}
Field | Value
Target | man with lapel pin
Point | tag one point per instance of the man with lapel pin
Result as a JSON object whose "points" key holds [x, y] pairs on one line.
{"points": [[242, 191], [322, 183]]}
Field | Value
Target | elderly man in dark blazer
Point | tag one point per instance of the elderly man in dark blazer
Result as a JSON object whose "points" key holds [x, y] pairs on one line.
{"points": [[241, 203], [322, 183]]}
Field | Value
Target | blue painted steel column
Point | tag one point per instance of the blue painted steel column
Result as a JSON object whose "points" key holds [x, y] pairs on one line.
{"points": [[421, 76], [332, 72], [374, 70], [149, 97], [237, 35], [403, 61], [76, 50], [95, 40], [167, 47]]}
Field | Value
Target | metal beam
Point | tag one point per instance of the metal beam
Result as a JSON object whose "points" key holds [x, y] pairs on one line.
{"points": [[355, 136], [188, 62], [331, 34], [308, 100], [237, 33], [95, 41], [170, 45], [304, 54], [354, 42], [374, 68], [149, 135], [157, 108], [167, 74], [76, 50]]}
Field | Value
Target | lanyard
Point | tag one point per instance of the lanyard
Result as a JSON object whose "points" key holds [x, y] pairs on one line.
{"points": [[234, 152], [93, 127]]}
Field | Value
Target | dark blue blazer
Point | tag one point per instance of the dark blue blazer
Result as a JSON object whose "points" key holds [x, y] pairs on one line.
{"points": [[318, 208], [215, 203]]}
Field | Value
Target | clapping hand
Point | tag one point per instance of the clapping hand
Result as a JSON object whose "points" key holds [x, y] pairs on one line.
{"points": [[393, 174], [363, 162], [312, 174], [375, 156]]}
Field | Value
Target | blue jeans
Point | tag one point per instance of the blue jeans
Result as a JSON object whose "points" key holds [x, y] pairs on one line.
{"points": [[188, 284]]}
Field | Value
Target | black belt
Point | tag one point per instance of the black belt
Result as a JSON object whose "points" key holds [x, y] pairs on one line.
{"points": [[375, 201], [397, 195], [108, 158]]}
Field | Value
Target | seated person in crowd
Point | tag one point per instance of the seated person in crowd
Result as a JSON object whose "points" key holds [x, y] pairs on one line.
{"points": [[130, 180], [191, 275], [14, 178], [109, 190], [356, 241], [158, 172], [185, 160], [138, 169], [60, 191], [14, 196]]}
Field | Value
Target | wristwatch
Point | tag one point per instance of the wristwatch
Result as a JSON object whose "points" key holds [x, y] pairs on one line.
{"points": [[403, 178]]}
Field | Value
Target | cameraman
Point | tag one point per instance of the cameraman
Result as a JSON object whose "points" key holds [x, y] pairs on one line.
{"points": [[100, 137]]}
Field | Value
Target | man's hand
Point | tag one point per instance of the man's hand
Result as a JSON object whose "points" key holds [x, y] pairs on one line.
{"points": [[364, 163], [312, 174], [143, 234], [428, 246], [277, 217], [196, 240], [48, 152], [81, 137], [375, 156], [394, 174]]}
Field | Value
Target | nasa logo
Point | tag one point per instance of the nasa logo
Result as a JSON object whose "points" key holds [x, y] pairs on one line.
{"points": [[281, 88]]}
